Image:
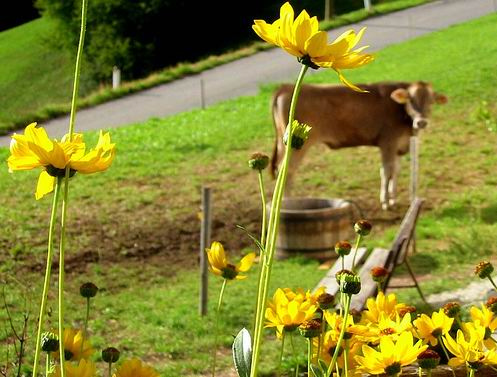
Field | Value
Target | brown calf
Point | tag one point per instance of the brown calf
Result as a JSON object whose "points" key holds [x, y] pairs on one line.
{"points": [[385, 117]]}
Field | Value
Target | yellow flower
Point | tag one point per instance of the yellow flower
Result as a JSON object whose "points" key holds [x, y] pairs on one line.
{"points": [[287, 314], [467, 351], [135, 368], [301, 38], [382, 305], [388, 328], [34, 149], [486, 318], [219, 263], [85, 368], [73, 339], [392, 356], [431, 329]]}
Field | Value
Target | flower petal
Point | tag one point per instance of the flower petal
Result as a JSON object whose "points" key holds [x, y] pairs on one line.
{"points": [[45, 185]]}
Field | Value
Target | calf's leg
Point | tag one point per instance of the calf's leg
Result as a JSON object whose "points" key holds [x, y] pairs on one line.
{"points": [[386, 175], [392, 184]]}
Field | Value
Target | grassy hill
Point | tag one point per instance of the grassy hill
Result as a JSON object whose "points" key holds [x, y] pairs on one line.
{"points": [[36, 75], [134, 229]]}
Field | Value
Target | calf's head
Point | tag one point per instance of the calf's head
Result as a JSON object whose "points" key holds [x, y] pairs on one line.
{"points": [[417, 99]]}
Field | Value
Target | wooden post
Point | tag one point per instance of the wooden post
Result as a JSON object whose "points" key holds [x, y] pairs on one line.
{"points": [[413, 192], [116, 77], [329, 9], [205, 235], [367, 5], [414, 151], [202, 93]]}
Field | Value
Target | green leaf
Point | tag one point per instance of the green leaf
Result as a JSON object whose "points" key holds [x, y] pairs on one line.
{"points": [[317, 372], [256, 241], [242, 353]]}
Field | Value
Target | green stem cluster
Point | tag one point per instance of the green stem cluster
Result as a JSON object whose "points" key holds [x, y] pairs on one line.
{"points": [[216, 327], [348, 299], [272, 230]]}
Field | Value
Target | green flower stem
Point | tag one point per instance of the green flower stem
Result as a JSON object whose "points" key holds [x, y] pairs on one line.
{"points": [[278, 371], [272, 230], [47, 366], [263, 240], [295, 355], [321, 334], [356, 247], [62, 248], [77, 74], [492, 281], [471, 372], [346, 358], [429, 373], [48, 270], [109, 370], [77, 70], [263, 202], [343, 262], [446, 353], [216, 325], [348, 298], [309, 357], [85, 329], [380, 286]]}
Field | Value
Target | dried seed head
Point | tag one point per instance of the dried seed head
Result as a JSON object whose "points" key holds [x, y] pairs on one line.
{"points": [[88, 290], [258, 161], [363, 227], [110, 355], [452, 309], [484, 269], [325, 301], [492, 304], [428, 359], [310, 328], [49, 342], [379, 274], [343, 248], [406, 309]]}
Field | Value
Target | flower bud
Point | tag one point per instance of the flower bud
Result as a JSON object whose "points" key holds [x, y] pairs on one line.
{"points": [[110, 355], [428, 359], [342, 248], [492, 304], [88, 290], [484, 269], [350, 284], [310, 328], [258, 161], [363, 227], [300, 133], [408, 309], [356, 315], [452, 309], [339, 274], [49, 342], [325, 301], [379, 274]]}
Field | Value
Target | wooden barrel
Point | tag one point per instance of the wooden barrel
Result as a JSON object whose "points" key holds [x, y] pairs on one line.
{"points": [[312, 226]]}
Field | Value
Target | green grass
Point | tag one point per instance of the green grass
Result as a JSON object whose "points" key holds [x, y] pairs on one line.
{"points": [[35, 77], [141, 215]]}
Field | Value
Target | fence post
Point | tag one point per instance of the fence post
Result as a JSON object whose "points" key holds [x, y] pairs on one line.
{"points": [[328, 9], [116, 77], [414, 151], [205, 235], [367, 5], [202, 93]]}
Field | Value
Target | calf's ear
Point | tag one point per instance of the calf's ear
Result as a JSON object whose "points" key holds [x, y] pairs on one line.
{"points": [[441, 99], [400, 96]]}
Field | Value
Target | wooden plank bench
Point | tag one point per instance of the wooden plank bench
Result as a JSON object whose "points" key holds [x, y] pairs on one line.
{"points": [[386, 258]]}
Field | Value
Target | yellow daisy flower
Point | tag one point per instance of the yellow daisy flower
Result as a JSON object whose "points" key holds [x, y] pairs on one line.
{"points": [[391, 356], [75, 348], [135, 368], [382, 305], [219, 263], [85, 368], [287, 314], [430, 329], [301, 38], [35, 150], [389, 328], [467, 350], [486, 318]]}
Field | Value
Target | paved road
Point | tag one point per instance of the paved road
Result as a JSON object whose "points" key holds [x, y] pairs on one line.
{"points": [[243, 77]]}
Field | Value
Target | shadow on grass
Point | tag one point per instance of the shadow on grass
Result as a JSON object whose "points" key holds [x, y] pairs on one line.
{"points": [[489, 214]]}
